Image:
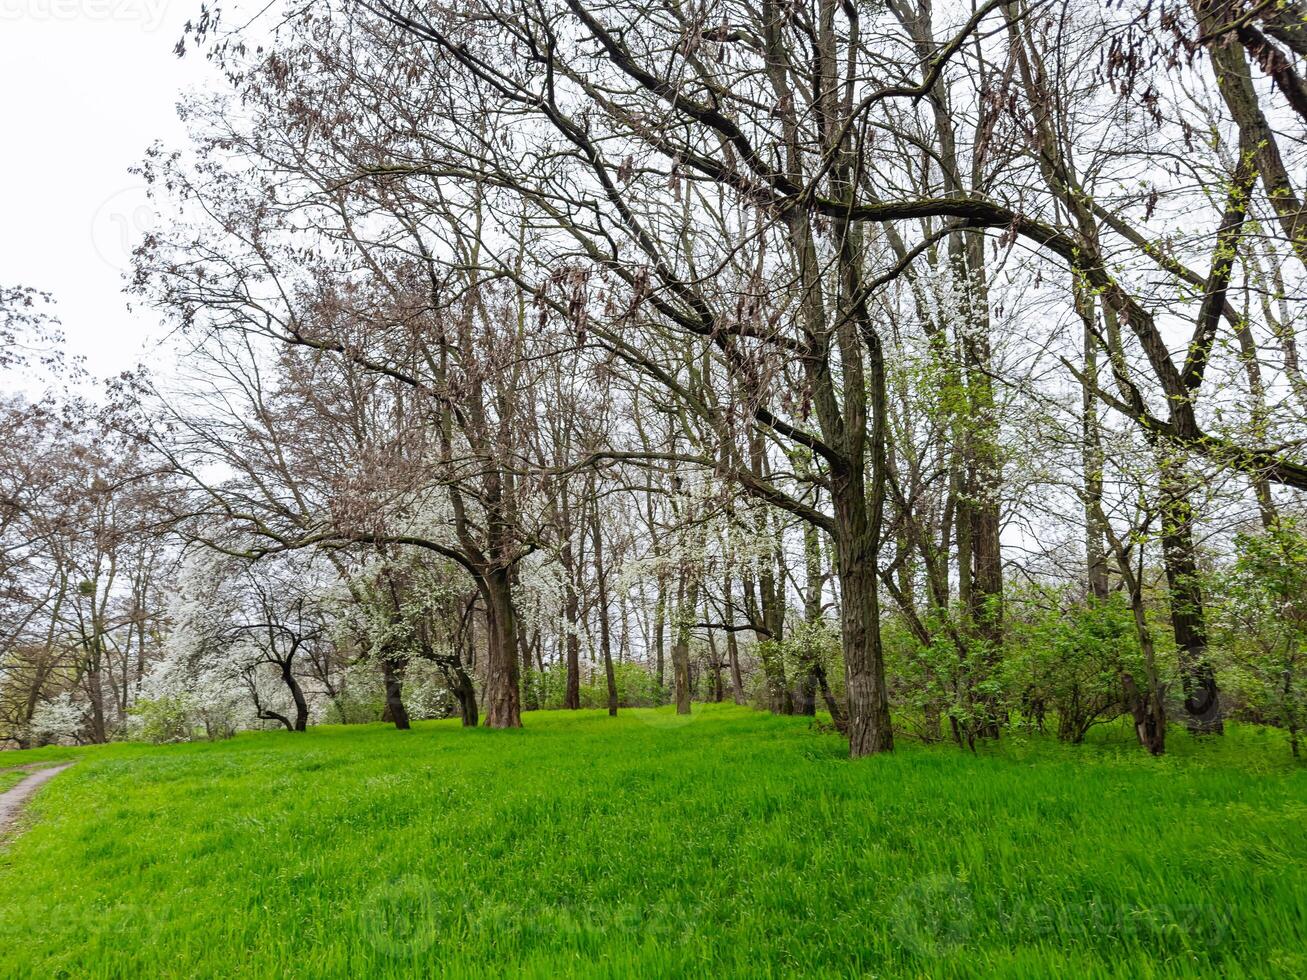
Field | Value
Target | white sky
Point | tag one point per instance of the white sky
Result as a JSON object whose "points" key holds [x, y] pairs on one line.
{"points": [[85, 87]]}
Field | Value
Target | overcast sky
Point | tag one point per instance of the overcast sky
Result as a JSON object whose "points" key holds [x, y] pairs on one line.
{"points": [[85, 87]]}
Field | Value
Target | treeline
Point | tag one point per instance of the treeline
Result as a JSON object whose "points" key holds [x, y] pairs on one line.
{"points": [[934, 365]]}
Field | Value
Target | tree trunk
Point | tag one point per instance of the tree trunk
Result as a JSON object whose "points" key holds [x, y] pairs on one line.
{"points": [[983, 478], [265, 714], [805, 689], [466, 695], [660, 629], [394, 683], [1188, 622], [296, 695], [503, 699], [737, 680], [768, 628], [1146, 707], [836, 711], [767, 609], [1091, 452], [1258, 420], [869, 728], [605, 640], [718, 691], [530, 691], [95, 692], [681, 648], [1148, 714], [571, 611]]}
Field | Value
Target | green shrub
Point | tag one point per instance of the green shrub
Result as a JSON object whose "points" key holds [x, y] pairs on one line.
{"points": [[163, 719], [1065, 657], [636, 686], [1262, 622]]}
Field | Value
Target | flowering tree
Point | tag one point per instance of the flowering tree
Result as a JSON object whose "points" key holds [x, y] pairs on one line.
{"points": [[251, 624]]}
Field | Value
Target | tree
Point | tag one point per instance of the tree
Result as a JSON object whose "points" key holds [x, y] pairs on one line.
{"points": [[238, 618]]}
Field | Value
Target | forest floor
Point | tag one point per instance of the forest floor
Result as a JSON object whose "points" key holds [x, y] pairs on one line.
{"points": [[732, 844]]}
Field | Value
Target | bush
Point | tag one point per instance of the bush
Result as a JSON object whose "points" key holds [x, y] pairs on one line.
{"points": [[1065, 657], [942, 679], [1262, 620], [162, 719], [636, 686], [58, 721], [355, 704]]}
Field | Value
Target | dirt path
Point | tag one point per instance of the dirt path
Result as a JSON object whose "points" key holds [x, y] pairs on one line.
{"points": [[30, 766], [11, 801]]}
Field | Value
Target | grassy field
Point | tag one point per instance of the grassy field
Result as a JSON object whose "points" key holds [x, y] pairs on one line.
{"points": [[9, 778], [737, 844]]}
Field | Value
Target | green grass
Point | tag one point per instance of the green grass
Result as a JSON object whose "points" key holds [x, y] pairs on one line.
{"points": [[14, 772], [738, 844]]}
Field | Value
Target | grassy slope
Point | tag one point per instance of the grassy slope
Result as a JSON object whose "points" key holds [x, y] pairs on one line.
{"points": [[737, 844]]}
